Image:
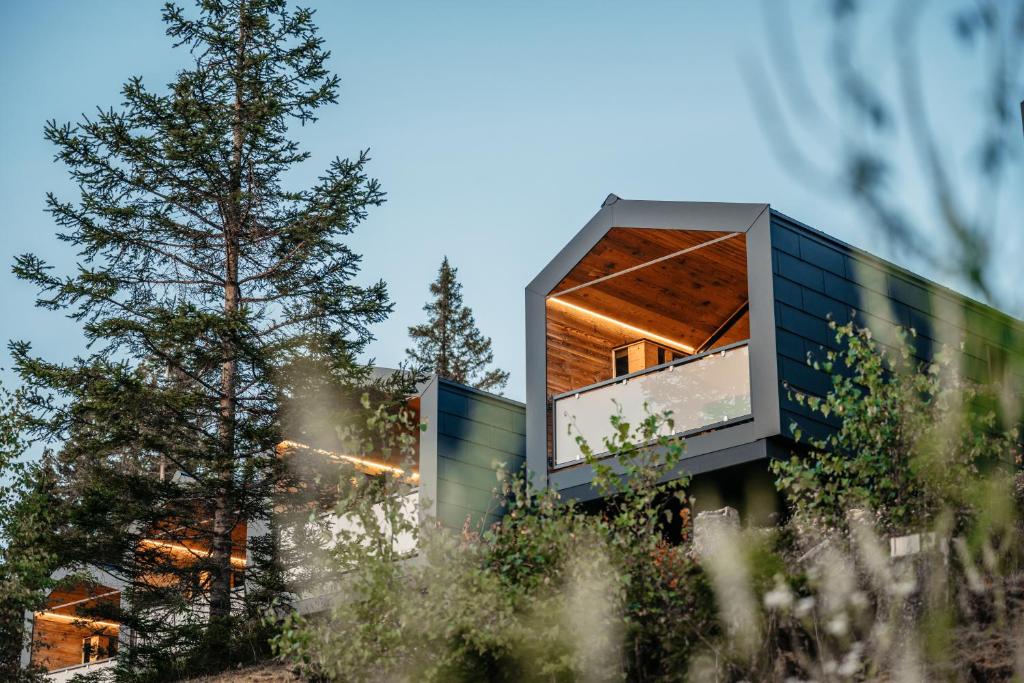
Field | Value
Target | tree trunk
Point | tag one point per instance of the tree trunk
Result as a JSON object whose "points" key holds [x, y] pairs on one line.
{"points": [[443, 356], [224, 513]]}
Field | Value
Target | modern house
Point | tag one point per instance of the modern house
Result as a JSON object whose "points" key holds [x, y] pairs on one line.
{"points": [[468, 434], [710, 310], [80, 631], [65, 642]]}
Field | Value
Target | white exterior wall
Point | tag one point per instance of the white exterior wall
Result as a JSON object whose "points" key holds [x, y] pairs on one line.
{"points": [[314, 599]]}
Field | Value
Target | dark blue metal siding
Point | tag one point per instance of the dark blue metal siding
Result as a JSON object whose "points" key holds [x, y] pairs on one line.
{"points": [[477, 432], [816, 278]]}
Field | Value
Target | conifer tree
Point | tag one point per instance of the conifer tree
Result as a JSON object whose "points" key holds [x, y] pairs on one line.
{"points": [[203, 276], [449, 343], [27, 517]]}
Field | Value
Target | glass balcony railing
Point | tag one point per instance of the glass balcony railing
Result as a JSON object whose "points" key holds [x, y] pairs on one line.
{"points": [[68, 673], [701, 391]]}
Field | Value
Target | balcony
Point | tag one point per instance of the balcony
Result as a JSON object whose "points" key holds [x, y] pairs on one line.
{"points": [[72, 631], [68, 673], [702, 391], [647, 320]]}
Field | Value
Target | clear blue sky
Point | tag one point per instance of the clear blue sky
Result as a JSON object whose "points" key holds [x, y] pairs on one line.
{"points": [[496, 131]]}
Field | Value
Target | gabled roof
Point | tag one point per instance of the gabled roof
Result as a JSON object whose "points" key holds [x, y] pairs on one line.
{"points": [[932, 287], [632, 213]]}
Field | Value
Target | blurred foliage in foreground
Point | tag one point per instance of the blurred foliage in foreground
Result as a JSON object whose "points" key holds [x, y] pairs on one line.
{"points": [[553, 593], [935, 182], [560, 593], [26, 517], [912, 439]]}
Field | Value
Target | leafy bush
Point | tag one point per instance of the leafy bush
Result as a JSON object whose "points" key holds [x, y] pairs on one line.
{"points": [[913, 437], [557, 592], [551, 593]]}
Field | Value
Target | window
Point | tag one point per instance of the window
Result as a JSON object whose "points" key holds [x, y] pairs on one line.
{"points": [[621, 362], [95, 648], [640, 355]]}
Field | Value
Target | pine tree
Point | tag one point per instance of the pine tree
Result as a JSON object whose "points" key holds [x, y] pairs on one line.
{"points": [[27, 518], [202, 278], [449, 343]]}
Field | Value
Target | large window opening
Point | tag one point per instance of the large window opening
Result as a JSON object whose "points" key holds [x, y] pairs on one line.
{"points": [[648, 316], [76, 627]]}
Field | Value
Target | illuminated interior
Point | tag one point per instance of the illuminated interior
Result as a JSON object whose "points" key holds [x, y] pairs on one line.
{"points": [[172, 547], [75, 628], [643, 297], [367, 465], [189, 552], [685, 290], [306, 459], [78, 625]]}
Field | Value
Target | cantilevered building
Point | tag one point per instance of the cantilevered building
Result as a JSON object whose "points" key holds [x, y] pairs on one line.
{"points": [[707, 310], [710, 310]]}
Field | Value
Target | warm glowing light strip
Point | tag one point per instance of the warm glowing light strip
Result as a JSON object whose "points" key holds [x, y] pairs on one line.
{"points": [[182, 549], [369, 464], [71, 618], [639, 330]]}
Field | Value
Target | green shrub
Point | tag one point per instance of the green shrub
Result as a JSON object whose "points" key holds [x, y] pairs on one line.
{"points": [[550, 593], [914, 439]]}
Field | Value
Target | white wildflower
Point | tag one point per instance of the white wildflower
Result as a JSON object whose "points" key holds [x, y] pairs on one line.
{"points": [[838, 625], [804, 606], [779, 597], [851, 662]]}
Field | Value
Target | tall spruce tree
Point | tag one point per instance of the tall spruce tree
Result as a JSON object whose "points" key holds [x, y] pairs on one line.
{"points": [[27, 517], [449, 343], [202, 279]]}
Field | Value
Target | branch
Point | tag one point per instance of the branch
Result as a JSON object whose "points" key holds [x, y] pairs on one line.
{"points": [[271, 269]]}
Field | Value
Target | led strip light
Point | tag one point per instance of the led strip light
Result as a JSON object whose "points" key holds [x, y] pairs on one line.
{"points": [[72, 619], [639, 330], [369, 464], [554, 298], [182, 549]]}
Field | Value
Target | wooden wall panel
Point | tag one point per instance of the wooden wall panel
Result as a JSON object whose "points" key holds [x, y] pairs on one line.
{"points": [[57, 644], [623, 248], [684, 299], [579, 348], [737, 333]]}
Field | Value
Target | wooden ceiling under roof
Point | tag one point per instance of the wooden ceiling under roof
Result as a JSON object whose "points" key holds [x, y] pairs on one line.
{"points": [[59, 629], [686, 299]]}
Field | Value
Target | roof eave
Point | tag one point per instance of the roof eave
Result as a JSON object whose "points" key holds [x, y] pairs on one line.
{"points": [[639, 213]]}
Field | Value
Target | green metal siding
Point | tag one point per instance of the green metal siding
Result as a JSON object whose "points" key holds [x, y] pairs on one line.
{"points": [[477, 432], [816, 278]]}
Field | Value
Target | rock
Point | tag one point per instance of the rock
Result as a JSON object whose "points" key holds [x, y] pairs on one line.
{"points": [[710, 524], [856, 517]]}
